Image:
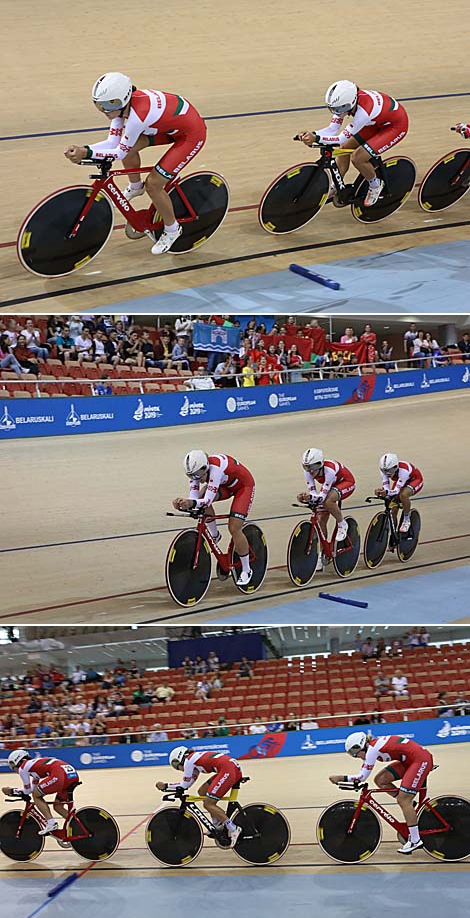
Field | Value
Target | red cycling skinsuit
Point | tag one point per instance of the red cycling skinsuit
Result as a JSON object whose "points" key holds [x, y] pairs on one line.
{"points": [[378, 124], [162, 117], [227, 772], [51, 776], [407, 476], [227, 478], [333, 475], [409, 761]]}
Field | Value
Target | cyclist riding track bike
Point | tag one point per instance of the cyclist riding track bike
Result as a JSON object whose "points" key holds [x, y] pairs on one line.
{"points": [[409, 762], [227, 773], [378, 123], [400, 479], [336, 482], [42, 776], [463, 129], [147, 118], [221, 477]]}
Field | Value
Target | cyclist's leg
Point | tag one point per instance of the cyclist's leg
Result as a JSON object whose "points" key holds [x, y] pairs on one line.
{"points": [[218, 787], [344, 160], [132, 159], [41, 804], [386, 777], [333, 504], [414, 778], [239, 511]]}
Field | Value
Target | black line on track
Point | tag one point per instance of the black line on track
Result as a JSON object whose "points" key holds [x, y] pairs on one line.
{"points": [[5, 304], [242, 866], [247, 602]]}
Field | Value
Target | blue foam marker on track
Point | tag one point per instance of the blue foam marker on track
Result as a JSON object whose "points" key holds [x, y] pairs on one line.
{"points": [[62, 885], [318, 278], [346, 602]]}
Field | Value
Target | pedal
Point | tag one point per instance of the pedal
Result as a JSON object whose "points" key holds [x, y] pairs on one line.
{"points": [[221, 574], [62, 843], [131, 233]]}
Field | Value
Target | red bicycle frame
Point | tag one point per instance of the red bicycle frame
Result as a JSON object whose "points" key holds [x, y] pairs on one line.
{"points": [[224, 558], [366, 797], [327, 545], [140, 220], [31, 810]]}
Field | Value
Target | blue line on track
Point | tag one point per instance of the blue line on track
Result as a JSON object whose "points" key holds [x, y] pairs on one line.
{"points": [[152, 532], [272, 111]]}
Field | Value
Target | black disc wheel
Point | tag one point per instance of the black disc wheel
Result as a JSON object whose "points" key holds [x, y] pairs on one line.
{"points": [[93, 833], [453, 842], [376, 540], [258, 559], [188, 575], [400, 177], [302, 553], [346, 553], [294, 198], [446, 182], [209, 196], [28, 845], [340, 844], [42, 245], [174, 837], [408, 542], [265, 833]]}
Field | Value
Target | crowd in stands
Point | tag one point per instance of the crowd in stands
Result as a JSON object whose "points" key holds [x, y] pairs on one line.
{"points": [[104, 355], [204, 697]]}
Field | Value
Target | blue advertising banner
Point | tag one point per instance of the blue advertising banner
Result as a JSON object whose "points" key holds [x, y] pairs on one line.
{"points": [[59, 416], [267, 745], [216, 338]]}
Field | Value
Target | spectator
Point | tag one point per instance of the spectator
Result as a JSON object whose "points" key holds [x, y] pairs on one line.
{"points": [[65, 345], [78, 675], [409, 338], [103, 387], [32, 337], [213, 662], [184, 327], [264, 376], [128, 349], [99, 351], [98, 736], [292, 723], [245, 670], [224, 373], [188, 666], [8, 360], [128, 737], [139, 697], [423, 637], [349, 337], [308, 722], [157, 735], [444, 708], [179, 354], [222, 729], [362, 720], [203, 689], [400, 684], [248, 373], [294, 365], [23, 354], [385, 356], [200, 380], [370, 340], [188, 732], [257, 726], [379, 648], [377, 718], [12, 332], [368, 649], [84, 346], [381, 684], [421, 349], [164, 693], [276, 726], [111, 348], [75, 326], [461, 705], [146, 354], [396, 647], [432, 344], [464, 346], [216, 682]]}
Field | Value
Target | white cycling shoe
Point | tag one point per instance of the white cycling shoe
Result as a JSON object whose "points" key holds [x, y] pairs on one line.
{"points": [[373, 194], [51, 826], [165, 242], [244, 578], [130, 193], [341, 531], [405, 526], [410, 846], [234, 835]]}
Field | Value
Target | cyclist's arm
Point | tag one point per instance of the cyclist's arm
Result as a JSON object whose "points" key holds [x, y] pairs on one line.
{"points": [[330, 479], [109, 147], [372, 755], [190, 775], [215, 480], [401, 481], [311, 483], [27, 779], [332, 131]]}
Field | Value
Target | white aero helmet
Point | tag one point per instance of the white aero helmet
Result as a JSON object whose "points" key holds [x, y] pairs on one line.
{"points": [[112, 92], [17, 757], [178, 755], [196, 463], [341, 97], [355, 742], [388, 463], [312, 460]]}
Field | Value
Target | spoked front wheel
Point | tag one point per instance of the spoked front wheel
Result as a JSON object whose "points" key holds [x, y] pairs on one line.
{"points": [[400, 177], [265, 833], [293, 199], [173, 837], [302, 553], [43, 245], [446, 182], [338, 842], [187, 573], [346, 553], [99, 831], [28, 845], [453, 842], [376, 540], [258, 559], [409, 540]]}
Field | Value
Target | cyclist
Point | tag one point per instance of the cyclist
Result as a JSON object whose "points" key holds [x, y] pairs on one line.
{"points": [[41, 776], [227, 773], [409, 763], [336, 482], [143, 118], [463, 129], [378, 123], [221, 477], [400, 479]]}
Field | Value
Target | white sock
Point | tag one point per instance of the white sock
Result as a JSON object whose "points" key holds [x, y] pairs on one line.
{"points": [[230, 825], [173, 228], [245, 560], [212, 527], [414, 834], [135, 186], [406, 516], [374, 182]]}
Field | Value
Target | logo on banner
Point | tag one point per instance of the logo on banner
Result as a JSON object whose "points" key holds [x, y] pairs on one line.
{"points": [[362, 392], [308, 744], [72, 419], [390, 387], [137, 755], [424, 382], [427, 383], [86, 758], [147, 412], [190, 408], [6, 421], [267, 748], [240, 403], [466, 375], [449, 729], [324, 393], [281, 400]]}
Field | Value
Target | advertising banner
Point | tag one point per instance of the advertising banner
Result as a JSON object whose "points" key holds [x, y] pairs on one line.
{"points": [[61, 416], [263, 746]]}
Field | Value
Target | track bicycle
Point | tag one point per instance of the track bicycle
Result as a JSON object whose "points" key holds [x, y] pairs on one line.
{"points": [[188, 565], [446, 182], [175, 834], [350, 831], [307, 543], [298, 195], [383, 533], [66, 230], [90, 831]]}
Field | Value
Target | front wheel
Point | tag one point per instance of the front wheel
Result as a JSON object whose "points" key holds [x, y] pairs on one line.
{"points": [[446, 182], [376, 540], [28, 845], [188, 574], [293, 199], [346, 553], [453, 842], [265, 833], [174, 837], [400, 176], [408, 541], [341, 845], [43, 246], [302, 553], [93, 833], [258, 559]]}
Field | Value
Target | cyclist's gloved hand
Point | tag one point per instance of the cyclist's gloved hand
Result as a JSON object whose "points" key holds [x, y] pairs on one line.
{"points": [[463, 129], [315, 502], [307, 137]]}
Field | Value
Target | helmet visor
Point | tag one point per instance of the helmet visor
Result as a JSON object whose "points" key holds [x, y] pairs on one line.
{"points": [[340, 109], [313, 468], [201, 473], [114, 106]]}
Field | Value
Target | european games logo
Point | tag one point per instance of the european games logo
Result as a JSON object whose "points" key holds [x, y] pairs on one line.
{"points": [[86, 758], [231, 405], [273, 400], [137, 755]]}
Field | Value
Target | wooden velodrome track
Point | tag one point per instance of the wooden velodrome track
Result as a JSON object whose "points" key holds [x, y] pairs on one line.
{"points": [[299, 786], [85, 530], [254, 70]]}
